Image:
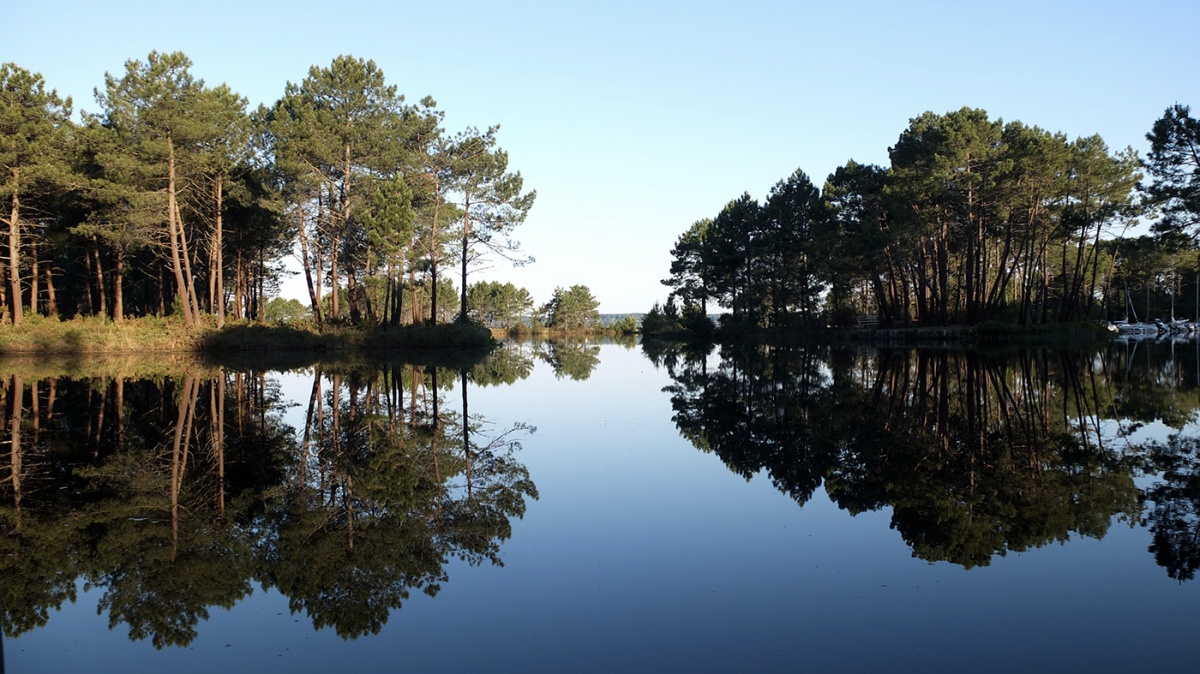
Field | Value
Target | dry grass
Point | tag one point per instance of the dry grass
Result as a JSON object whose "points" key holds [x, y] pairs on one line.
{"points": [[43, 336]]}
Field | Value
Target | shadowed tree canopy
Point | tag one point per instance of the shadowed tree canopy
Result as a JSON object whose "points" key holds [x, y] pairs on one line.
{"points": [[1174, 164], [975, 220]]}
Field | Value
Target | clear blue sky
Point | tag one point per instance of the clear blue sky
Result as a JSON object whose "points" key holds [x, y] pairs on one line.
{"points": [[633, 120]]}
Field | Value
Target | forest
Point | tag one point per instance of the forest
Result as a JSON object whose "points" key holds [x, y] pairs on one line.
{"points": [[975, 220], [176, 199]]}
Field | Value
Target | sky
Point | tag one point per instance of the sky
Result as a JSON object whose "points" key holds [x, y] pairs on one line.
{"points": [[632, 120]]}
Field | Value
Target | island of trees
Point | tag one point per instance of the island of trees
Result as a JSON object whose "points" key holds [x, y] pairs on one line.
{"points": [[975, 221], [175, 199]]}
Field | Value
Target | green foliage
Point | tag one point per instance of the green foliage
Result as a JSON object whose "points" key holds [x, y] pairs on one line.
{"points": [[35, 134], [661, 320], [280, 310], [33, 120], [387, 216], [498, 305], [175, 173], [689, 280], [975, 220], [627, 325], [342, 137], [492, 204], [793, 244], [730, 245], [571, 309], [1174, 164]]}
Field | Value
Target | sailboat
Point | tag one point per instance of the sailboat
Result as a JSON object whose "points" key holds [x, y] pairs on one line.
{"points": [[1135, 327]]}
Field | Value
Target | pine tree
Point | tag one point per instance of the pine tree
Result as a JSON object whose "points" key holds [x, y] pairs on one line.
{"points": [[35, 128]]}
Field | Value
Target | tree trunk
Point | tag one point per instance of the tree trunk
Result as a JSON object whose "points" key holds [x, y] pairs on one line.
{"points": [[396, 287], [35, 276], [118, 311], [192, 298], [14, 253], [4, 294], [51, 300], [352, 295], [239, 288], [173, 227], [101, 297], [413, 304], [334, 306], [260, 302], [433, 253], [218, 269], [313, 296], [352, 286], [466, 239]]}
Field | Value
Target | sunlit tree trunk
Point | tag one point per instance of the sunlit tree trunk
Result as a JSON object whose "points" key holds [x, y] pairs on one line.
{"points": [[51, 299], [35, 278], [192, 300], [118, 312], [100, 305], [174, 234], [14, 252]]}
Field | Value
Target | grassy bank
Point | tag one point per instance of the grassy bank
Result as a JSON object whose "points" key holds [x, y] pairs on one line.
{"points": [[38, 336], [41, 336]]}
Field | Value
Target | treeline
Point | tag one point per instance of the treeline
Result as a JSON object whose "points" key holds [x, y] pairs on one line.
{"points": [[174, 197], [507, 307], [975, 220]]}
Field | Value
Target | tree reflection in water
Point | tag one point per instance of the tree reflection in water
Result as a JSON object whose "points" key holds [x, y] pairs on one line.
{"points": [[975, 454], [175, 494], [1174, 512], [573, 358]]}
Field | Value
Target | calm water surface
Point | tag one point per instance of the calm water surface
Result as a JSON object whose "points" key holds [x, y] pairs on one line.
{"points": [[608, 508]]}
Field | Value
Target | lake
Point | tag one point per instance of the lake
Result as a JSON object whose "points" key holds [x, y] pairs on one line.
{"points": [[606, 507]]}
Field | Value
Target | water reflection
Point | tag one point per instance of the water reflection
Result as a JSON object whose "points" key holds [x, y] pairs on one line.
{"points": [[975, 454], [175, 494], [571, 358], [1174, 507]]}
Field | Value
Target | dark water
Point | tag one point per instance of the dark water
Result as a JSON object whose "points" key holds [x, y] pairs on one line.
{"points": [[606, 508]]}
